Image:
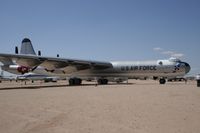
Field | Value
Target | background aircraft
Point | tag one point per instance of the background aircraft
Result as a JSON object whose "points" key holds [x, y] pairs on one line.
{"points": [[76, 70], [32, 76], [6, 78]]}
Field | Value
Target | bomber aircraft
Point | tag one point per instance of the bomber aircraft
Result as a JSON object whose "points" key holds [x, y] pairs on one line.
{"points": [[76, 70]]}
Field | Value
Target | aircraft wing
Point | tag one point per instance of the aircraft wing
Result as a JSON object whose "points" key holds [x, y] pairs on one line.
{"points": [[6, 61], [50, 63]]}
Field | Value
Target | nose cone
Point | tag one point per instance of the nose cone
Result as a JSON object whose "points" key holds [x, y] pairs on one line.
{"points": [[187, 67]]}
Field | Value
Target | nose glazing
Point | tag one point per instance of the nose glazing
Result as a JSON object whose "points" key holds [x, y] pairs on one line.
{"points": [[187, 67]]}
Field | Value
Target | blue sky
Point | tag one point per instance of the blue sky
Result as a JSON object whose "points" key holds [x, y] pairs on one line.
{"points": [[104, 30]]}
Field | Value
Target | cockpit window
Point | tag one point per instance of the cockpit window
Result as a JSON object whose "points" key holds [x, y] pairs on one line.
{"points": [[160, 63], [178, 64]]}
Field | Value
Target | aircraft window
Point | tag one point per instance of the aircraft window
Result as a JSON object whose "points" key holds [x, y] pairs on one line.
{"points": [[160, 63]]}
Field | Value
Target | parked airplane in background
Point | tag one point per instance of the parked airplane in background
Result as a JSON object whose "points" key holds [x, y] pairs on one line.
{"points": [[77, 70], [6, 78], [27, 76], [32, 76]]}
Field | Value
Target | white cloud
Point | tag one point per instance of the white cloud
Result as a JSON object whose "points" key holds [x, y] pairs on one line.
{"points": [[177, 55], [169, 53], [173, 54], [157, 49]]}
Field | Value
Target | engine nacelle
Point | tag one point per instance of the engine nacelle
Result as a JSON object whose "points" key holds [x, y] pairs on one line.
{"points": [[23, 69]]}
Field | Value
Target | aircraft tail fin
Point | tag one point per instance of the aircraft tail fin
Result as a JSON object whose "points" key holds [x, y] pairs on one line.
{"points": [[2, 73], [27, 47]]}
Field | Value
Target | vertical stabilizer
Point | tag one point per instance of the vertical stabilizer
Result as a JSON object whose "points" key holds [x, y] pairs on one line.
{"points": [[2, 73], [26, 47]]}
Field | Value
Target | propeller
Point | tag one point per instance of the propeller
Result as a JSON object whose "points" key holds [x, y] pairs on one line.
{"points": [[34, 68], [16, 50], [39, 53]]}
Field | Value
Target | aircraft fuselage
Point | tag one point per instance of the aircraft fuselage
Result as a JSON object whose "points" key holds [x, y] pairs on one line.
{"points": [[121, 69]]}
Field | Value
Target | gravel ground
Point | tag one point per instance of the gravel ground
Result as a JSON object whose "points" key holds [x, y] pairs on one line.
{"points": [[137, 107]]}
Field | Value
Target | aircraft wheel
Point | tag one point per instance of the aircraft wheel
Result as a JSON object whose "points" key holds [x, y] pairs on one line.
{"points": [[102, 81], [99, 81], [71, 81], [75, 81], [162, 81], [105, 81]]}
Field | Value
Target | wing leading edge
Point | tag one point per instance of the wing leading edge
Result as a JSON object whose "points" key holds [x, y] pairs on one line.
{"points": [[51, 63]]}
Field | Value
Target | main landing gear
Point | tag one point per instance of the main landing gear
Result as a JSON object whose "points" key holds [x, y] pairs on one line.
{"points": [[102, 81], [162, 81], [75, 81]]}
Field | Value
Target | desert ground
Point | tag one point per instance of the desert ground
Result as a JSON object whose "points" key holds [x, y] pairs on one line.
{"points": [[136, 107]]}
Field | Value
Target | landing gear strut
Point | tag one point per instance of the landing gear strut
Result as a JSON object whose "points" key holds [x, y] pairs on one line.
{"points": [[162, 81], [75, 81]]}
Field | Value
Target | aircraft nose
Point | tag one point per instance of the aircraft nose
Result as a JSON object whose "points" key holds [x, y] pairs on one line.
{"points": [[187, 67]]}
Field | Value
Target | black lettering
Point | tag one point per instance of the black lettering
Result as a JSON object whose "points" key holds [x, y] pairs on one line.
{"points": [[122, 68], [127, 68], [135, 67], [132, 68], [154, 67]]}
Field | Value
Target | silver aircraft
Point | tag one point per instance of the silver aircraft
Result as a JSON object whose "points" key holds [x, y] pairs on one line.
{"points": [[76, 70]]}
